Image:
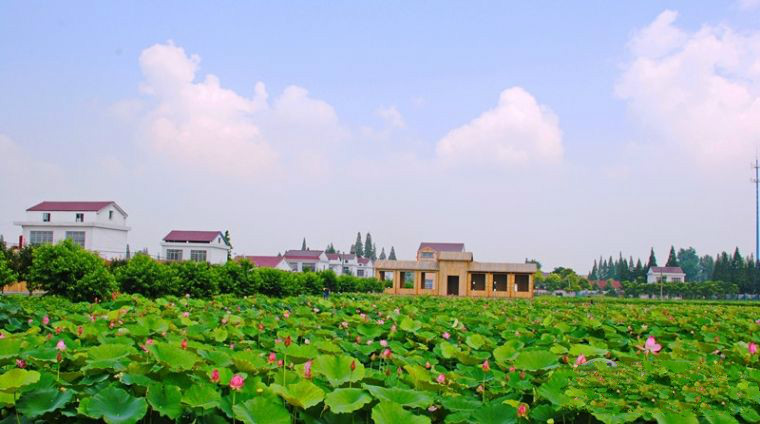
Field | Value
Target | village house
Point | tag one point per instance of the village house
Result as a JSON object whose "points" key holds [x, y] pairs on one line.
{"points": [[667, 274], [206, 246], [448, 269], [100, 227], [350, 264], [306, 260], [276, 262]]}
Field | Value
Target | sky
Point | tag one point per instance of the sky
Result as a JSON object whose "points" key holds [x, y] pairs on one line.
{"points": [[559, 131]]}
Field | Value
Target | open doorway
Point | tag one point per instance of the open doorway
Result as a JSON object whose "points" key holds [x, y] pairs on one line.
{"points": [[452, 285]]}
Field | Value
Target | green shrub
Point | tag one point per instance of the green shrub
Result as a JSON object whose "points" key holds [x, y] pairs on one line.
{"points": [[7, 275], [198, 279], [150, 278], [271, 281], [68, 270]]}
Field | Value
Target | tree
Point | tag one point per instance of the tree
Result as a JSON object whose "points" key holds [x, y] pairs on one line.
{"points": [[303, 245], [392, 255], [533, 261], [652, 260], [639, 273], [706, 268], [369, 248], [129, 254], [7, 275], [382, 254], [689, 262], [593, 272], [358, 248], [229, 244], [672, 259], [330, 248]]}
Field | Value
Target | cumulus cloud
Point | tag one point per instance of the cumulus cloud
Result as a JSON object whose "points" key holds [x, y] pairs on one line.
{"points": [[391, 116], [518, 130], [699, 91], [201, 123]]}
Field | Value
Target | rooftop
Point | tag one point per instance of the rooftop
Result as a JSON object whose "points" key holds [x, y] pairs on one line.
{"points": [[191, 236], [69, 206], [442, 247]]}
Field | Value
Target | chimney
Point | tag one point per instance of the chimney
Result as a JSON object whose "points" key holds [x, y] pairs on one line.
{"points": [[21, 241]]}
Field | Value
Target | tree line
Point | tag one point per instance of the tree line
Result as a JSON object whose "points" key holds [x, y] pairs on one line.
{"points": [[362, 249]]}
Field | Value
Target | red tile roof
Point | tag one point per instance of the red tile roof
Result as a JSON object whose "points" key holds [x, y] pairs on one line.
{"points": [[70, 206], [265, 261], [363, 261], [341, 256], [602, 284], [666, 269], [303, 254], [443, 247], [192, 236]]}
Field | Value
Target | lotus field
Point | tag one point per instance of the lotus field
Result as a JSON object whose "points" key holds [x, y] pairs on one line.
{"points": [[377, 358]]}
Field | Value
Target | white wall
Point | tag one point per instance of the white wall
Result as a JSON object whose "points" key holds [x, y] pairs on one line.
{"points": [[106, 242], [215, 254]]}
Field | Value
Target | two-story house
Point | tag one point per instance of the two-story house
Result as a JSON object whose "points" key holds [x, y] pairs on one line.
{"points": [[100, 227], [207, 246], [350, 264], [306, 260], [667, 274]]}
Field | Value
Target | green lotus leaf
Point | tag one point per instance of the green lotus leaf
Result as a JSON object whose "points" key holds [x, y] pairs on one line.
{"points": [[327, 346], [41, 401], [249, 361], [201, 395], [115, 406], [12, 380], [683, 417], [337, 369], [677, 365], [719, 417], [508, 351], [261, 410], [303, 394], [110, 351], [448, 350], [475, 341], [404, 397], [391, 413], [587, 350], [495, 413], [219, 334], [409, 325], [749, 415], [10, 348], [165, 399], [153, 323], [301, 351], [342, 401], [174, 357], [534, 360], [370, 331], [460, 403]]}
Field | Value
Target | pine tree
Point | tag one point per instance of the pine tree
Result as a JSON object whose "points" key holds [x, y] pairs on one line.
{"points": [[392, 255], [652, 260], [382, 254], [358, 248], [640, 272], [593, 272], [369, 248], [672, 259], [706, 268], [229, 244], [330, 248], [303, 245], [612, 270]]}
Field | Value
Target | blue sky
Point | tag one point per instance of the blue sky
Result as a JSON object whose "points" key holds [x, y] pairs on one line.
{"points": [[615, 153]]}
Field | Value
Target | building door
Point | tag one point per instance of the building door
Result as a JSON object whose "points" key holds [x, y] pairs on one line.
{"points": [[452, 285]]}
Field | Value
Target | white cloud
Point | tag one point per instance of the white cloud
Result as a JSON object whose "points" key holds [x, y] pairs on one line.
{"points": [[748, 4], [391, 116], [699, 91], [518, 130], [202, 124]]}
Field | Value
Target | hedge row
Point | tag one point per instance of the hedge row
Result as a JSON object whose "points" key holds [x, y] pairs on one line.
{"points": [[67, 270]]}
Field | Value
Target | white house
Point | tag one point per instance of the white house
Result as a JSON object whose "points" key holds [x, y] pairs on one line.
{"points": [[276, 262], [350, 264], [209, 246], [306, 260], [100, 227], [668, 274]]}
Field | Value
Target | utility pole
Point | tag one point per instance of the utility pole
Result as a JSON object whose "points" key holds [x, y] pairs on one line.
{"points": [[756, 180]]}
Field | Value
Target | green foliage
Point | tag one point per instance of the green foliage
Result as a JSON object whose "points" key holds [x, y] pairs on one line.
{"points": [[392, 255], [672, 259], [68, 270], [198, 279], [143, 275], [7, 275]]}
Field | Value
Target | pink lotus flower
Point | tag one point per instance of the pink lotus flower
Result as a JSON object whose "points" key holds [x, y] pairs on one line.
{"points": [[280, 363], [512, 369], [480, 389], [232, 346], [344, 324], [446, 335], [752, 348], [441, 379], [60, 345], [393, 328], [45, 320], [286, 314], [186, 314], [427, 365], [80, 330], [148, 342], [21, 363], [58, 330], [215, 375], [236, 382], [486, 366], [387, 354], [307, 369], [183, 345], [651, 346], [380, 321], [522, 410], [580, 360], [272, 357], [384, 343]]}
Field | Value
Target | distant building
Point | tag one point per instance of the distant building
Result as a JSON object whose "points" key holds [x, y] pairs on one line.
{"points": [[350, 264], [306, 260], [667, 274], [206, 246], [277, 262], [447, 269], [100, 227], [603, 284]]}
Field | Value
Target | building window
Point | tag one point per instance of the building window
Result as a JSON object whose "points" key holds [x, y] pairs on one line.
{"points": [[426, 255], [76, 236], [676, 279], [428, 280], [40, 237], [478, 282], [173, 254], [293, 266], [522, 282], [198, 255], [308, 267], [387, 277], [79, 217], [110, 214], [360, 273], [407, 280], [45, 216], [346, 270], [500, 282]]}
